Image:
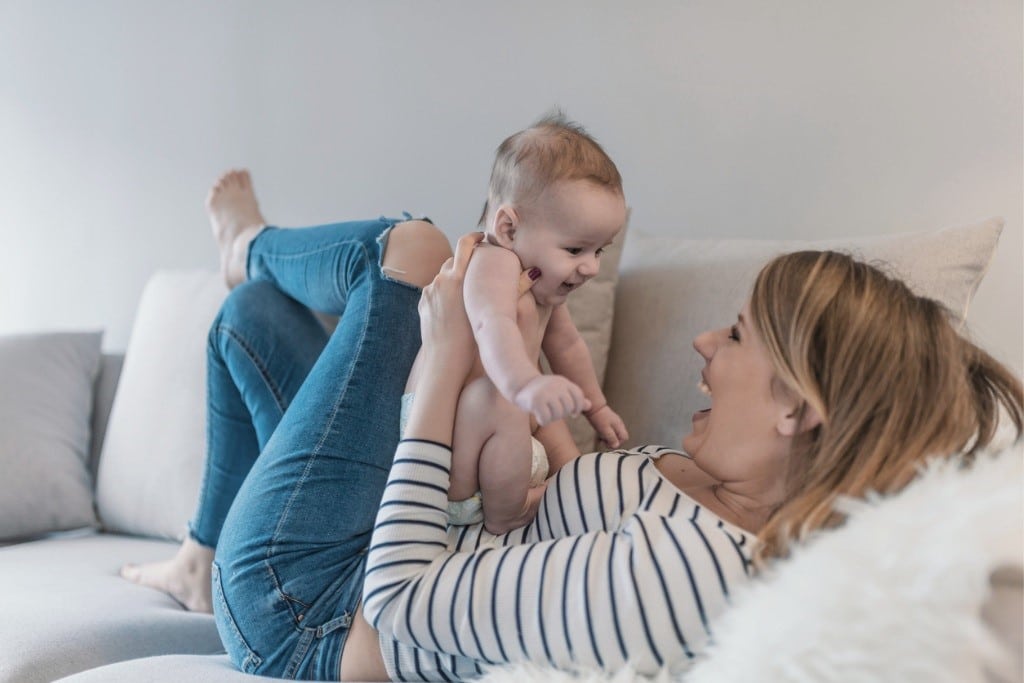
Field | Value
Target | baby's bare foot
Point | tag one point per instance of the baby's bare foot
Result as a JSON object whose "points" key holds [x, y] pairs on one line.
{"points": [[185, 577], [236, 220]]}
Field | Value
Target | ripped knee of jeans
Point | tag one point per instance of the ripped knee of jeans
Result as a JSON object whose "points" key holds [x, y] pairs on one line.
{"points": [[412, 252]]}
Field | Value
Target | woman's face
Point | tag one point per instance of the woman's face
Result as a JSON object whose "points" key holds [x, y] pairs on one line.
{"points": [[740, 438]]}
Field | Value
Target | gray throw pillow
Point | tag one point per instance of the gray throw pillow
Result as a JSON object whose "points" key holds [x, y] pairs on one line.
{"points": [[45, 408]]}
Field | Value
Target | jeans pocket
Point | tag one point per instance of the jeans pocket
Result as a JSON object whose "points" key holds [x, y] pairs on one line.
{"points": [[234, 642]]}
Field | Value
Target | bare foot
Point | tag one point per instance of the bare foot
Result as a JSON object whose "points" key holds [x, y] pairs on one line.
{"points": [[185, 577], [236, 220]]}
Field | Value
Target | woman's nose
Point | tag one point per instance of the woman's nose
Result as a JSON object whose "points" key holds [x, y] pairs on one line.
{"points": [[705, 343]]}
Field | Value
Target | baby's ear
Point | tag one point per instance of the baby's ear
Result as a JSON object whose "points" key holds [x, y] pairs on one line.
{"points": [[503, 225]]}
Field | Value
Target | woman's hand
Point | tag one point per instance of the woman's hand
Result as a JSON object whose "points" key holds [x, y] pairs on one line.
{"points": [[444, 328]]}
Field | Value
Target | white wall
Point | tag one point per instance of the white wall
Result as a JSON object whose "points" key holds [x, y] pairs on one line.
{"points": [[747, 119]]}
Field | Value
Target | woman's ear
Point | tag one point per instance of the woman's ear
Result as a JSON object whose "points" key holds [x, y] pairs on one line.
{"points": [[503, 225], [797, 418], [795, 414]]}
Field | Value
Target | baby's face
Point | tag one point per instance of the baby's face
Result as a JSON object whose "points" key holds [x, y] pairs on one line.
{"points": [[564, 232]]}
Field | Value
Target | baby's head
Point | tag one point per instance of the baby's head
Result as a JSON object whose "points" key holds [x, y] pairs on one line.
{"points": [[556, 200]]}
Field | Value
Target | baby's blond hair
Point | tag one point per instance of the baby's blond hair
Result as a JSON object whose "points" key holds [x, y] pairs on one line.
{"points": [[552, 149]]}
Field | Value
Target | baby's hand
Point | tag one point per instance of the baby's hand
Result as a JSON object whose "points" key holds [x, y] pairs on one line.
{"points": [[609, 426], [550, 398]]}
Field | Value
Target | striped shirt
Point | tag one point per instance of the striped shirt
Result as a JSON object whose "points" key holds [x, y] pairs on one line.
{"points": [[618, 567]]}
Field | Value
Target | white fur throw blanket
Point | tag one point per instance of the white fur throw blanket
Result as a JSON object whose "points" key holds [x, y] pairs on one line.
{"points": [[893, 595]]}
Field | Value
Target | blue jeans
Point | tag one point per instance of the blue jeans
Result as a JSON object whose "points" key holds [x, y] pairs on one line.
{"points": [[302, 430]]}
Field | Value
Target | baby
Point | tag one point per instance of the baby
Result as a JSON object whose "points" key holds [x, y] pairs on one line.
{"points": [[555, 202]]}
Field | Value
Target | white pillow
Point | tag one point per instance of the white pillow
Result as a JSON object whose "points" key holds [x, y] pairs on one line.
{"points": [[155, 446], [45, 406], [670, 290]]}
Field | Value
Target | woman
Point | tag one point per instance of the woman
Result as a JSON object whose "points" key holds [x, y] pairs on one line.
{"points": [[835, 380]]}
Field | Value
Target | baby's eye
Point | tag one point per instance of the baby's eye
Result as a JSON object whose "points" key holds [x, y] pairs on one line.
{"points": [[734, 333], [599, 251], [573, 250]]}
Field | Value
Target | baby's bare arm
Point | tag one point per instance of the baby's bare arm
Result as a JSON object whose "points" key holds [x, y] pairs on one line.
{"points": [[491, 294], [569, 356]]}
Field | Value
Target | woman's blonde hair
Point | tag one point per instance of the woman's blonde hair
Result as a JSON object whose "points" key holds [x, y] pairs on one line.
{"points": [[887, 371]]}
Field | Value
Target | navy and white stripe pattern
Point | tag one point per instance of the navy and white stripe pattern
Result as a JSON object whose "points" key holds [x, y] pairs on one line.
{"points": [[618, 567]]}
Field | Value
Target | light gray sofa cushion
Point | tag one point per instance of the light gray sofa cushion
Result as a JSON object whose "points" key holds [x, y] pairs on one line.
{"points": [[45, 408], [65, 609], [168, 669]]}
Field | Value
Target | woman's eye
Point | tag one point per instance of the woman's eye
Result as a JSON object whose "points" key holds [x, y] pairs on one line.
{"points": [[734, 333], [573, 250]]}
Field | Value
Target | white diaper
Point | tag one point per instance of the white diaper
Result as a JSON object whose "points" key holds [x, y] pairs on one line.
{"points": [[470, 510]]}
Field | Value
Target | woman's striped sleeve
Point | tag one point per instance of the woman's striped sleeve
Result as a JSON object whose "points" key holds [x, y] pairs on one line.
{"points": [[641, 594]]}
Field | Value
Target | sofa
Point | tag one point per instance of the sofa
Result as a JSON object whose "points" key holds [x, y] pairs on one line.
{"points": [[102, 455]]}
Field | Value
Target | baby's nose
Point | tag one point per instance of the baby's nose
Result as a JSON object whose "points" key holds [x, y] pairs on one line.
{"points": [[589, 266]]}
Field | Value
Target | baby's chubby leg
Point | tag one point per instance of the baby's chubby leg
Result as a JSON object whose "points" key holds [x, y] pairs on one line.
{"points": [[492, 454], [558, 445]]}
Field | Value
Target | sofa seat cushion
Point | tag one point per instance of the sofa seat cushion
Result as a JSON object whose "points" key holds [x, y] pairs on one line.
{"points": [[66, 609], [168, 669]]}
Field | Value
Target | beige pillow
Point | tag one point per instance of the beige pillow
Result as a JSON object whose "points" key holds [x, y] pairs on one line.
{"points": [[672, 289], [155, 446]]}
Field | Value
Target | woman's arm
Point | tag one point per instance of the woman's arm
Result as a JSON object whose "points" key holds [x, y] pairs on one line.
{"points": [[644, 593], [447, 352]]}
